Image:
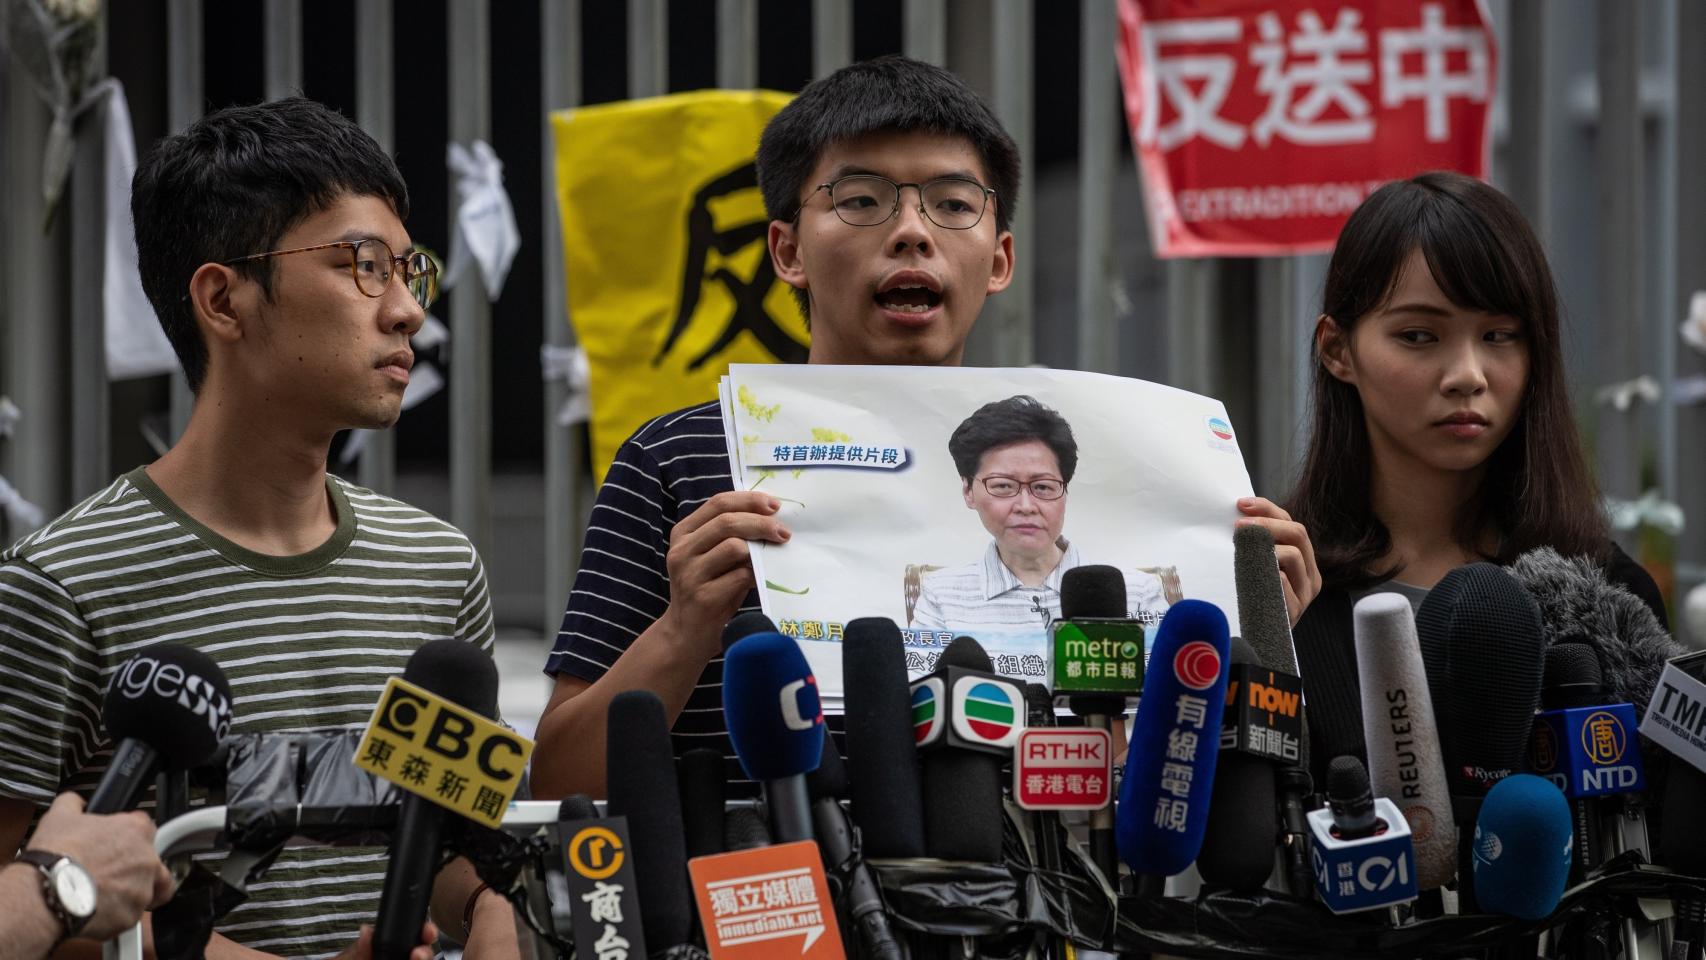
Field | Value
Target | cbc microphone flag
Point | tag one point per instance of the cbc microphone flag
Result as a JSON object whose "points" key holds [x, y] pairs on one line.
{"points": [[664, 244], [885, 524]]}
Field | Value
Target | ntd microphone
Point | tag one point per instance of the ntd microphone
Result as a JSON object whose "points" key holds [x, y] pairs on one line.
{"points": [[1175, 741], [775, 719], [1583, 744], [1363, 856]]}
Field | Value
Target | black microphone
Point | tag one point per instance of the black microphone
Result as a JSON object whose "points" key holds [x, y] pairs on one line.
{"points": [[1482, 646], [743, 829], [1683, 849], [642, 786], [1238, 844], [167, 707], [460, 673], [835, 839], [1097, 592], [572, 808], [883, 787], [1571, 679], [962, 787], [744, 625], [704, 791]]}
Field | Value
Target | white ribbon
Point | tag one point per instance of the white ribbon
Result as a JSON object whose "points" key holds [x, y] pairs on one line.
{"points": [[1661, 515], [485, 221], [569, 364], [1621, 396], [1694, 325], [136, 344]]}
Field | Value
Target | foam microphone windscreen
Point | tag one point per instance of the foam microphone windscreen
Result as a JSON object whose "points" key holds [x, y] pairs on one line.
{"points": [[576, 806], [743, 829], [745, 625], [962, 788], [1571, 678], [1238, 842], [1164, 798], [642, 786], [1405, 764], [1094, 590], [829, 780], [704, 790], [1483, 649], [1262, 617], [1522, 846], [174, 699], [771, 705], [458, 671], [883, 791]]}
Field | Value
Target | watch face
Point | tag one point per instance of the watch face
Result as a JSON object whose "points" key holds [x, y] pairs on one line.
{"points": [[76, 891]]}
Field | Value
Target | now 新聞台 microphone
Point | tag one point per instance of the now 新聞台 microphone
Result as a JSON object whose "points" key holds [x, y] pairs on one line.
{"points": [[1405, 764], [464, 675], [884, 789], [166, 709], [1175, 741], [775, 720], [1238, 841], [1482, 646]]}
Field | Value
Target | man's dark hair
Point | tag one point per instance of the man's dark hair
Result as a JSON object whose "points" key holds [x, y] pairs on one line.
{"points": [[231, 185], [886, 95], [1013, 420]]}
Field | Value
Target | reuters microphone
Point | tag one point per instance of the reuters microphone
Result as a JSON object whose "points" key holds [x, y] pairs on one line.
{"points": [[167, 707]]}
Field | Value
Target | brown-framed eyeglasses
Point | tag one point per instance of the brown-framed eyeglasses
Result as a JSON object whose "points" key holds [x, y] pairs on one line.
{"points": [[372, 264], [1005, 488]]}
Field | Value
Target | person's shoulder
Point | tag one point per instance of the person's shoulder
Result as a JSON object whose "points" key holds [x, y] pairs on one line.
{"points": [[700, 421], [113, 509], [1626, 572], [381, 513]]}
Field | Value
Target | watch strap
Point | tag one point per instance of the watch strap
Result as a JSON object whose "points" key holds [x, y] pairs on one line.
{"points": [[70, 924]]}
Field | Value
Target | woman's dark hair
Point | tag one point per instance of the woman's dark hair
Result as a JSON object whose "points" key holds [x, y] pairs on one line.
{"points": [[1538, 490], [234, 182], [1013, 420]]}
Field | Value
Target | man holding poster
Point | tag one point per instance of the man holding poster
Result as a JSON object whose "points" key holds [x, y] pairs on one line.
{"points": [[890, 188]]}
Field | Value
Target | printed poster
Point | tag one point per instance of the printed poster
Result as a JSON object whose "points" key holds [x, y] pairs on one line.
{"points": [[909, 498]]}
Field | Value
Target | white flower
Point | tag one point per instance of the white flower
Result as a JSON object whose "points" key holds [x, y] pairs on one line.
{"points": [[1694, 325], [1694, 613], [67, 11]]}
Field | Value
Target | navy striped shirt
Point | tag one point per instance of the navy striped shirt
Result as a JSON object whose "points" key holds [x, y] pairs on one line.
{"points": [[665, 471]]}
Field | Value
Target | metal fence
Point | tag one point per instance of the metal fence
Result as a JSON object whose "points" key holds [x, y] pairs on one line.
{"points": [[1600, 133]]}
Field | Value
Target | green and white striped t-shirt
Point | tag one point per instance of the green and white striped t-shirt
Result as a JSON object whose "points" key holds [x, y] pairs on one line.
{"points": [[307, 643]]}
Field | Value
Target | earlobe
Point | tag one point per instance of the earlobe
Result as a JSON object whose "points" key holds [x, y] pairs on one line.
{"points": [[965, 491], [785, 254], [1001, 264], [1332, 346]]}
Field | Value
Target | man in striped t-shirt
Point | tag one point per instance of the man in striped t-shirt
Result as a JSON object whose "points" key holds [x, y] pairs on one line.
{"points": [[890, 186], [268, 241]]}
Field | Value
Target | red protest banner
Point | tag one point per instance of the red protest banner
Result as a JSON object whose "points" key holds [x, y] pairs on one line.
{"points": [[1259, 125]]}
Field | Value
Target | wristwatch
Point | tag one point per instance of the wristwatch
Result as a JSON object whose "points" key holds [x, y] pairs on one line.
{"points": [[67, 888]]}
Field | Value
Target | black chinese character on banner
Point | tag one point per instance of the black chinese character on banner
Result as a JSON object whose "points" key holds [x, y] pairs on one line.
{"points": [[415, 769], [450, 786], [378, 753]]}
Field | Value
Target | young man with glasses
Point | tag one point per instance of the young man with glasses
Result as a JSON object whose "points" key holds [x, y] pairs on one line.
{"points": [[272, 247], [890, 187], [1016, 459]]}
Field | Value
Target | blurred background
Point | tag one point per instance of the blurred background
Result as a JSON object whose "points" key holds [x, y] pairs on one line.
{"points": [[1598, 132]]}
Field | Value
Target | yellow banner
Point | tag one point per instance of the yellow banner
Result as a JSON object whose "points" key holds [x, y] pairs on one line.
{"points": [[448, 754], [664, 245]]}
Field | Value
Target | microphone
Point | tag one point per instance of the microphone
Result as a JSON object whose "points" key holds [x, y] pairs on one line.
{"points": [[1175, 740], [1099, 658], [643, 788], [1363, 856], [1482, 646], [1238, 842], [826, 785], [1684, 850], [167, 707], [1265, 623], [1521, 849], [1404, 759], [744, 829], [745, 625], [704, 789], [967, 719], [574, 807], [775, 720], [460, 673], [883, 785]]}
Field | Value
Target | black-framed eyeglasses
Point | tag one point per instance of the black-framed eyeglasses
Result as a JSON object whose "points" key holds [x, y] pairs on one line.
{"points": [[866, 200], [372, 264], [1006, 488]]}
